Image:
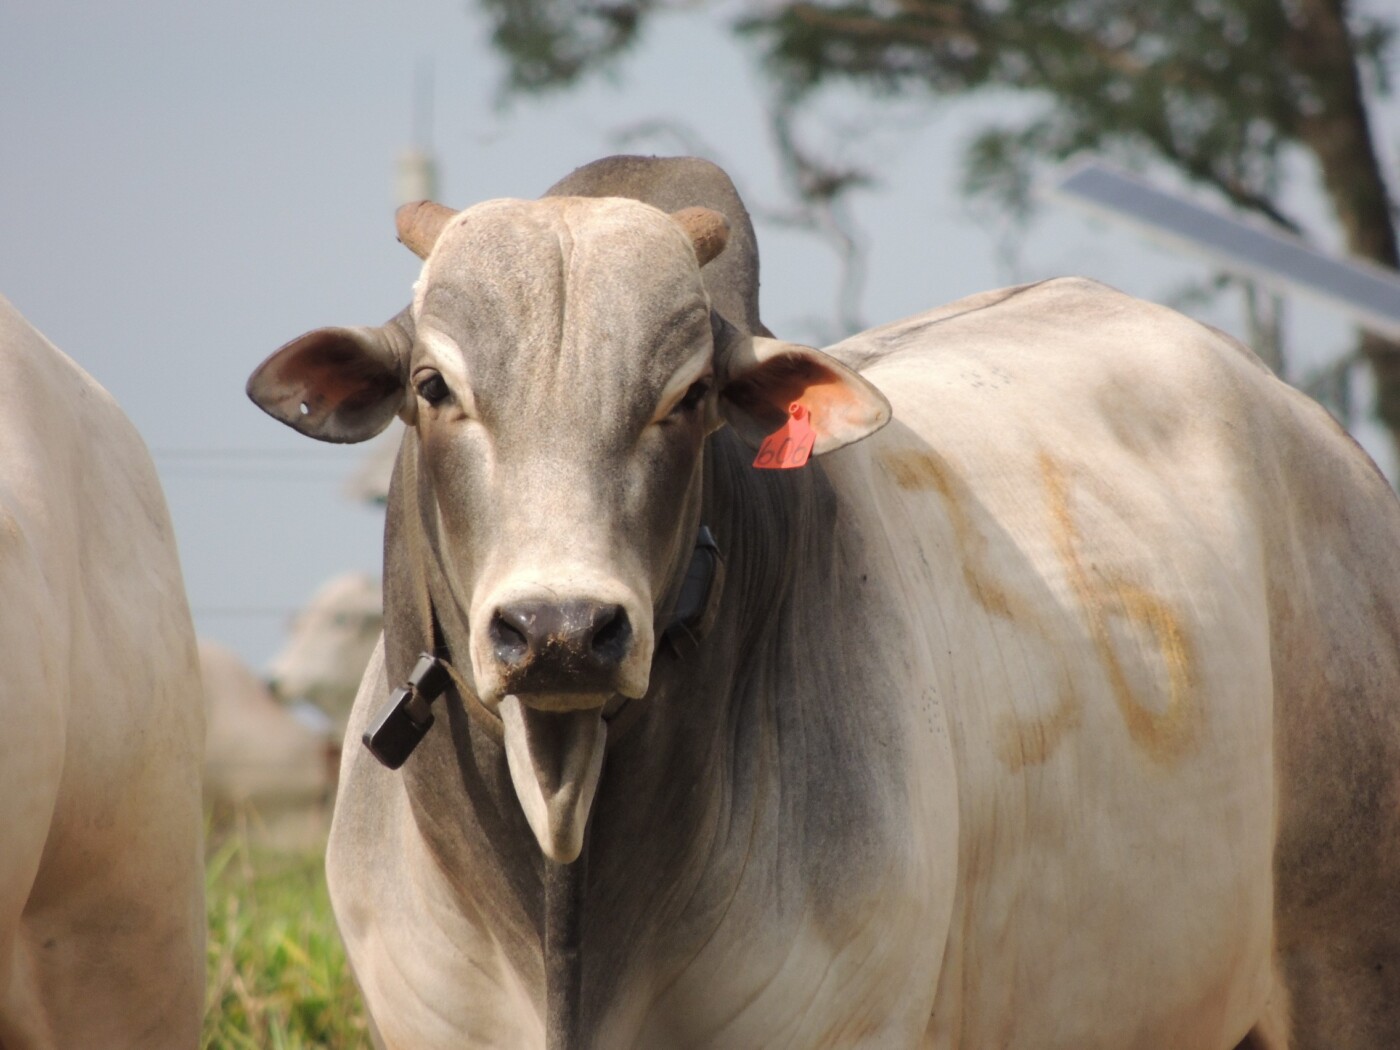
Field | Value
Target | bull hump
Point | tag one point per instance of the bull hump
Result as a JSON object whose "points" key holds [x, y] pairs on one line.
{"points": [[673, 184]]}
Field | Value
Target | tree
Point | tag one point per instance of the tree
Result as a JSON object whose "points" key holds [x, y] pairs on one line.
{"points": [[1225, 92]]}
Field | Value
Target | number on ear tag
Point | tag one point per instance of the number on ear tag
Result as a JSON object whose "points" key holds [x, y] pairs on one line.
{"points": [[790, 446]]}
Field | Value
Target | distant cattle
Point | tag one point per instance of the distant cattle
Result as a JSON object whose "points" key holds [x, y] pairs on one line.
{"points": [[329, 646], [101, 860], [269, 770], [1060, 712]]}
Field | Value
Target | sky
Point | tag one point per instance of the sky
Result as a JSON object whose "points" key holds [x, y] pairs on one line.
{"points": [[185, 187]]}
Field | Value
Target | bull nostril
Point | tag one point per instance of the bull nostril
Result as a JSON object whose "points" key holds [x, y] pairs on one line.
{"points": [[571, 646], [509, 640], [612, 636]]}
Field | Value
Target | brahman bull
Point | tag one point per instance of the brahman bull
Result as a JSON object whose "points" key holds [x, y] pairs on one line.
{"points": [[1061, 712], [101, 860]]}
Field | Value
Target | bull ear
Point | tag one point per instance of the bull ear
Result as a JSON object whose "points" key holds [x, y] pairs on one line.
{"points": [[763, 377], [336, 384]]}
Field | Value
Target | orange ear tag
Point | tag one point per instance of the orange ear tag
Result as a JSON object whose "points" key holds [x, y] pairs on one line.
{"points": [[790, 446]]}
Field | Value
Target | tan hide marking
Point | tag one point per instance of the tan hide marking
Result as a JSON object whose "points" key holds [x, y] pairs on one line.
{"points": [[9, 529], [1031, 741], [917, 470], [1020, 743], [1164, 736]]}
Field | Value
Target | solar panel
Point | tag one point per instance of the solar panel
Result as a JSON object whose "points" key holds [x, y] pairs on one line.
{"points": [[1367, 292]]}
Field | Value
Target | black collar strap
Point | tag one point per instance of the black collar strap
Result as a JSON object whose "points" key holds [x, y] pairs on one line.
{"points": [[698, 603]]}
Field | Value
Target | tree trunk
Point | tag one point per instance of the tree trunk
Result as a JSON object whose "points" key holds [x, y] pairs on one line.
{"points": [[1334, 125]]}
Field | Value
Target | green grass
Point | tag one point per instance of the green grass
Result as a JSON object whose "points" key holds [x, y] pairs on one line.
{"points": [[277, 977]]}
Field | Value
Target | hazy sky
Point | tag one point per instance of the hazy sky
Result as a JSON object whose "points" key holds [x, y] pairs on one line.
{"points": [[184, 187]]}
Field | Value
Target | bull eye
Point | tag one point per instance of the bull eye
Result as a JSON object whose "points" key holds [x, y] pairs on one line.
{"points": [[693, 396], [432, 388]]}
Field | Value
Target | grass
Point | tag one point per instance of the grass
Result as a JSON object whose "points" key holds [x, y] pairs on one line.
{"points": [[277, 977]]}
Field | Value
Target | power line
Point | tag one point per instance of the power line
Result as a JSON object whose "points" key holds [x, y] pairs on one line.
{"points": [[249, 611], [322, 455], [216, 472]]}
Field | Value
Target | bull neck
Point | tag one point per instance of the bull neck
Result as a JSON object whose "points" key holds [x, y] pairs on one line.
{"points": [[687, 776]]}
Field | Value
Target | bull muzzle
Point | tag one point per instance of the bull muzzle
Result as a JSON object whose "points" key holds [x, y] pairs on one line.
{"points": [[555, 651], [553, 666]]}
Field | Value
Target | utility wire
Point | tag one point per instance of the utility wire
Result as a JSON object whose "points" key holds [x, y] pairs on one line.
{"points": [[233, 611], [323, 455]]}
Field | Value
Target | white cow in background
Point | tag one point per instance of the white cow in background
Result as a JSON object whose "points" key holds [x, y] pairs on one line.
{"points": [[268, 769], [274, 743], [101, 859], [330, 645]]}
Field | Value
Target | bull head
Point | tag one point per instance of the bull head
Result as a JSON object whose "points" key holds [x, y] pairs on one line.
{"points": [[561, 369]]}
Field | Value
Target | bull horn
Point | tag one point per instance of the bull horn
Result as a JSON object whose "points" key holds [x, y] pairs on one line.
{"points": [[708, 231], [420, 223]]}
